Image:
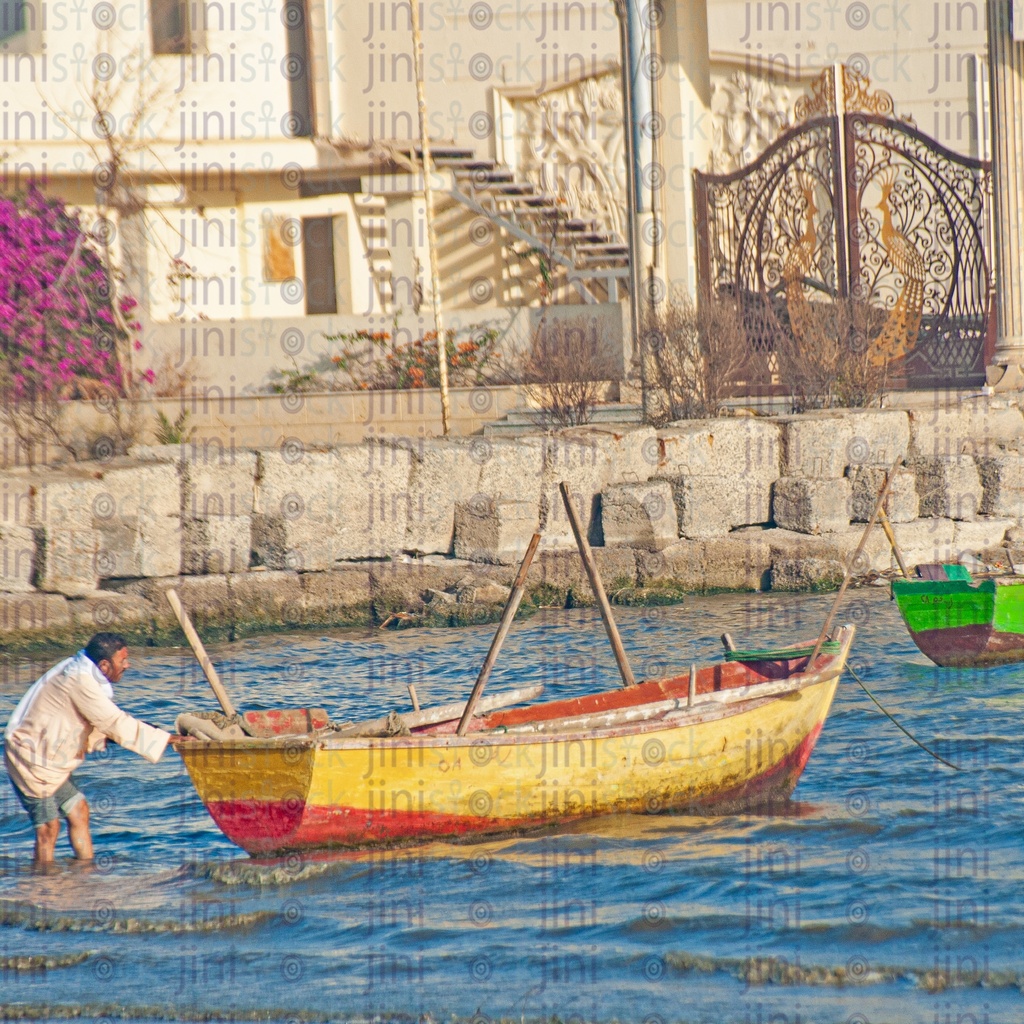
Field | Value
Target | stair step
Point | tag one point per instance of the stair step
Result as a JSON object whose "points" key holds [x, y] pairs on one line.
{"points": [[581, 241], [491, 178], [461, 163], [524, 421], [530, 210], [603, 249], [601, 262], [440, 153]]}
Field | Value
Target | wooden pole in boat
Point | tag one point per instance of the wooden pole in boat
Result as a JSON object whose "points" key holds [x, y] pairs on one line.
{"points": [[511, 607], [595, 582], [200, 652], [889, 477], [891, 537]]}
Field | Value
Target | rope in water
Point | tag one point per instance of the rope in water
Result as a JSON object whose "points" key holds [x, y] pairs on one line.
{"points": [[860, 682]]}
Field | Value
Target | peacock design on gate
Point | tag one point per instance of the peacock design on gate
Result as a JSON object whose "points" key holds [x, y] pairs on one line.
{"points": [[900, 330], [903, 322], [798, 264]]}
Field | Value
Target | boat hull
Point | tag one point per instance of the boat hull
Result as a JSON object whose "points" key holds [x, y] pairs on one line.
{"points": [[964, 624], [273, 798]]}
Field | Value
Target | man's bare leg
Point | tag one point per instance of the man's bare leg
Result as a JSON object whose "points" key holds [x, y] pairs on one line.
{"points": [[46, 840], [78, 831]]}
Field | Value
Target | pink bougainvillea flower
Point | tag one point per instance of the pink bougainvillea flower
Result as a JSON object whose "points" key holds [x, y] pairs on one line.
{"points": [[55, 297]]}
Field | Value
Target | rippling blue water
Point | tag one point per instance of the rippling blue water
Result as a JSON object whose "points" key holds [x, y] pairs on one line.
{"points": [[896, 870]]}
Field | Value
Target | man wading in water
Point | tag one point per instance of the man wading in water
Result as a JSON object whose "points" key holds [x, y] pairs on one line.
{"points": [[68, 713]]}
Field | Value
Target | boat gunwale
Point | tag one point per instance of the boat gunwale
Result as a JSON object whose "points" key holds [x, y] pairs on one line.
{"points": [[710, 707], [975, 585]]}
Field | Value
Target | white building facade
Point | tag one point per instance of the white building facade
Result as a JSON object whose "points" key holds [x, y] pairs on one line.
{"points": [[254, 161]]}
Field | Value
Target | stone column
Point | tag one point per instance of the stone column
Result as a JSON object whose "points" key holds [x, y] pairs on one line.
{"points": [[685, 90], [1006, 62]]}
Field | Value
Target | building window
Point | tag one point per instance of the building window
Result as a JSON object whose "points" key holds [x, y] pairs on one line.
{"points": [[299, 122], [20, 26], [12, 19], [318, 264], [170, 25]]}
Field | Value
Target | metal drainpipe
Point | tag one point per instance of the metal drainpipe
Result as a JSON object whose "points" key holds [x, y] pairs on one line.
{"points": [[624, 9]]}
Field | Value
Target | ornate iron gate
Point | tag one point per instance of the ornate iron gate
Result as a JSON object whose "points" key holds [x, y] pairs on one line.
{"points": [[856, 205]]}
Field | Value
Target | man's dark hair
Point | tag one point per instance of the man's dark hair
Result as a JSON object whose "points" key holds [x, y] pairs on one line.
{"points": [[104, 645]]}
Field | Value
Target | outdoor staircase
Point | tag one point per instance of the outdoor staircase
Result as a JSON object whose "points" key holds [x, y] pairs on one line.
{"points": [[580, 253], [371, 211]]}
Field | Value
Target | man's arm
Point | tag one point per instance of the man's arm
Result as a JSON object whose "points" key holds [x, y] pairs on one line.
{"points": [[104, 715]]}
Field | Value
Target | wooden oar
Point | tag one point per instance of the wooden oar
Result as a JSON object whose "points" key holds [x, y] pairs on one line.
{"points": [[200, 652], [891, 537], [511, 607], [889, 477], [595, 583]]}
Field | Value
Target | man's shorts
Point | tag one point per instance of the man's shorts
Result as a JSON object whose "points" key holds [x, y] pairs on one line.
{"points": [[44, 809]]}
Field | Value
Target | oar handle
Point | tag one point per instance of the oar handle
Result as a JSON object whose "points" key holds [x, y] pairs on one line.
{"points": [[200, 652]]}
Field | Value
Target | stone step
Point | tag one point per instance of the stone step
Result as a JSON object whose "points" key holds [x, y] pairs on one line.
{"points": [[523, 421]]}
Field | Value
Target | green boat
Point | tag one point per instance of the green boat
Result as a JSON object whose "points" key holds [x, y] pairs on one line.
{"points": [[958, 621]]}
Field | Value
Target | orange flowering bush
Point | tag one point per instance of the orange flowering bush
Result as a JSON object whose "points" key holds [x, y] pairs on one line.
{"points": [[372, 361]]}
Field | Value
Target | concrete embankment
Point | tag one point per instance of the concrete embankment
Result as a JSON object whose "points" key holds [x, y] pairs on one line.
{"points": [[430, 530]]}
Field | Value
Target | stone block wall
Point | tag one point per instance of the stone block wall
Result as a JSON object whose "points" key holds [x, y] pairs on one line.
{"points": [[733, 503]]}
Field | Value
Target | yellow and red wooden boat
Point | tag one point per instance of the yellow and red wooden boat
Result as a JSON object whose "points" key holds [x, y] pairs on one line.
{"points": [[730, 736]]}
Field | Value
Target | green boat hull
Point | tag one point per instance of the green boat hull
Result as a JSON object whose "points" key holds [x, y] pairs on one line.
{"points": [[964, 623]]}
